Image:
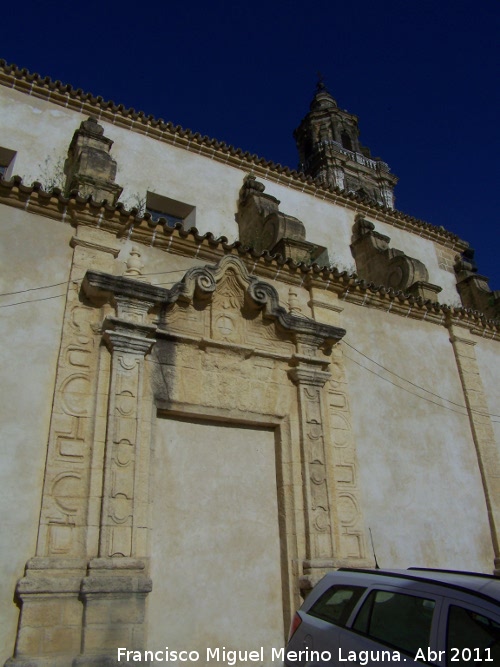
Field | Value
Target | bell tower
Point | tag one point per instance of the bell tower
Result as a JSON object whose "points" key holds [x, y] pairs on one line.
{"points": [[330, 151]]}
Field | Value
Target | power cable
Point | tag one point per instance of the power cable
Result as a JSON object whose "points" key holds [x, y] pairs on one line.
{"points": [[43, 298], [459, 405], [429, 400]]}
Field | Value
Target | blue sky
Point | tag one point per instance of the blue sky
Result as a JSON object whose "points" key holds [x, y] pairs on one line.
{"points": [[421, 77]]}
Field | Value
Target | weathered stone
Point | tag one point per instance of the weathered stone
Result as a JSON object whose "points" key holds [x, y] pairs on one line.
{"points": [[330, 151], [474, 289], [380, 264], [151, 431], [263, 226], [89, 167]]}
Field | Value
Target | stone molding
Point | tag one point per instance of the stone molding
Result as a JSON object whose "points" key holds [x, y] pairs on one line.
{"points": [[488, 455], [114, 594], [75, 241], [201, 282], [189, 243]]}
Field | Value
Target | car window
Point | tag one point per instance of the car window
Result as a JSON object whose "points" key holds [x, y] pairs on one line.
{"points": [[396, 619], [471, 637], [336, 605]]}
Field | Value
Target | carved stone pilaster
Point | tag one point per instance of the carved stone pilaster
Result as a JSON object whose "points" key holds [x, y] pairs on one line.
{"points": [[115, 588], [317, 494], [49, 631], [124, 514], [348, 507], [487, 452]]}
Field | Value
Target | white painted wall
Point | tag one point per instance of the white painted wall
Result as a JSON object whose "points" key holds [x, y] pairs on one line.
{"points": [[422, 491], [38, 131], [489, 369], [34, 252]]}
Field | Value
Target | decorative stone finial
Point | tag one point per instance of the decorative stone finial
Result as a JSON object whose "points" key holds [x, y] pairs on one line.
{"points": [[134, 265], [91, 126]]}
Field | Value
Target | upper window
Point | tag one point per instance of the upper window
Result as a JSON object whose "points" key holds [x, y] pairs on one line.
{"points": [[471, 637], [398, 620], [346, 141], [6, 162], [336, 605], [173, 211]]}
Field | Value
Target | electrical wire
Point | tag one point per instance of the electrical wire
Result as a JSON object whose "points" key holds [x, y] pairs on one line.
{"points": [[413, 384], [441, 398], [43, 298], [67, 282]]}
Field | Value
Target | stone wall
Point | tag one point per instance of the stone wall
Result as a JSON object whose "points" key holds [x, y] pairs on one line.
{"points": [[164, 387]]}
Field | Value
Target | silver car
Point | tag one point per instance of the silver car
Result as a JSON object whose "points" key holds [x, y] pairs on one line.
{"points": [[411, 617]]}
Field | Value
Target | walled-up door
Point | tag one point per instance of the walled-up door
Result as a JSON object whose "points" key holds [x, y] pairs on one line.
{"points": [[215, 559]]}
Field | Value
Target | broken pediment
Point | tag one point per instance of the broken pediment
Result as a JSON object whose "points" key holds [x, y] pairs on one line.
{"points": [[380, 264], [220, 302], [263, 226], [241, 303]]}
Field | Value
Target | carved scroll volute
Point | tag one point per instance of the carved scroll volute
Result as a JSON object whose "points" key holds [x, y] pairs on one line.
{"points": [[125, 497], [319, 529]]}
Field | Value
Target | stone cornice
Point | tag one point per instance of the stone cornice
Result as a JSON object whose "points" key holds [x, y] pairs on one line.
{"points": [[313, 377], [93, 246], [117, 220], [85, 103]]}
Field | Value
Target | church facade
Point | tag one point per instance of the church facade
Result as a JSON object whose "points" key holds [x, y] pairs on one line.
{"points": [[221, 379]]}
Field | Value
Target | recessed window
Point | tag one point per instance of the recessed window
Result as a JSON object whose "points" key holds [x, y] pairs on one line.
{"points": [[171, 210], [7, 157], [346, 141]]}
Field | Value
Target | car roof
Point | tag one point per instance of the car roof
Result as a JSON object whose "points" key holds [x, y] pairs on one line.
{"points": [[473, 582]]}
